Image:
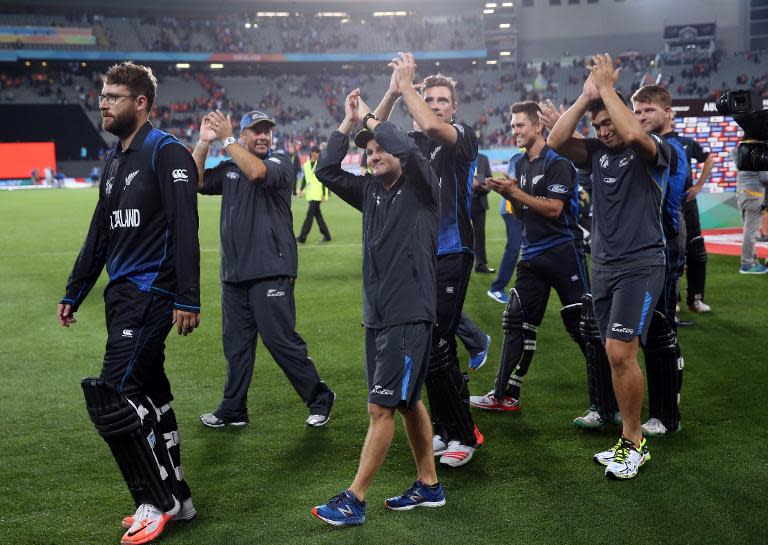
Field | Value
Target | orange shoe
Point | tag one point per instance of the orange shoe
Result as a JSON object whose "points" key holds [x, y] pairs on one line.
{"points": [[148, 524], [186, 512], [479, 437]]}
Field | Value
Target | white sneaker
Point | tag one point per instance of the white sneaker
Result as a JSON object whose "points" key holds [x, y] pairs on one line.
{"points": [[318, 420], [457, 454], [489, 402], [699, 306], [590, 420], [654, 427], [438, 445], [186, 512], [627, 460], [606, 457]]}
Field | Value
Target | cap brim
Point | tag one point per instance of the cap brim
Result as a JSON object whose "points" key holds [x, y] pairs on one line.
{"points": [[362, 138], [260, 121]]}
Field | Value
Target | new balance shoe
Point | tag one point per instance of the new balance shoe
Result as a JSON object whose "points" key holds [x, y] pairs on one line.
{"points": [[479, 359], [319, 420], [457, 454], [186, 512], [699, 306], [628, 459], [341, 510], [753, 269], [438, 445], [418, 495], [148, 523], [213, 421], [488, 402], [498, 296]]}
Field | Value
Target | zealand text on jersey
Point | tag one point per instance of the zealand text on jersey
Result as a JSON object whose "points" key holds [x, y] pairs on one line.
{"points": [[128, 217]]}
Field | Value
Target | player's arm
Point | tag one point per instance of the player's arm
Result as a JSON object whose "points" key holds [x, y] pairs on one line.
{"points": [[200, 153], [561, 137], [253, 167], [626, 124], [706, 160], [388, 101], [404, 68], [549, 116], [346, 185], [509, 189], [177, 174], [88, 265]]}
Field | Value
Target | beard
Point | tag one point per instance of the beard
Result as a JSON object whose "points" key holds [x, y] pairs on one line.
{"points": [[120, 125]]}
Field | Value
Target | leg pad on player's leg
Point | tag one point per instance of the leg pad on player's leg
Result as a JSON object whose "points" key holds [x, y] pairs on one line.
{"points": [[663, 364], [449, 396], [119, 424], [598, 367], [517, 349]]}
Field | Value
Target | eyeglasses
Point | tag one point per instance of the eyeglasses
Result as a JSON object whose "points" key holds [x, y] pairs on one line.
{"points": [[113, 99]]}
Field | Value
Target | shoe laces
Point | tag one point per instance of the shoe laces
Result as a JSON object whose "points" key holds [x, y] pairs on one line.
{"points": [[624, 446], [339, 499], [410, 490]]}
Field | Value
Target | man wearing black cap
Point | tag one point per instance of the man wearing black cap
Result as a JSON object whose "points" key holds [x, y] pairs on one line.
{"points": [[316, 193], [258, 265]]}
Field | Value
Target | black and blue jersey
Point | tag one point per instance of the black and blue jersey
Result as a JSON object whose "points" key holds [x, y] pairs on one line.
{"points": [[679, 172], [693, 150], [455, 168], [144, 228], [548, 176]]}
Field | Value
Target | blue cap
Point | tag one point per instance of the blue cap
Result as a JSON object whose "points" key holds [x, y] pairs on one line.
{"points": [[254, 117]]}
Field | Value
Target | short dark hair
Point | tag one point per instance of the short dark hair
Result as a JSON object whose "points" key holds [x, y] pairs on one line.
{"points": [[138, 78], [314, 149], [597, 106], [527, 107]]}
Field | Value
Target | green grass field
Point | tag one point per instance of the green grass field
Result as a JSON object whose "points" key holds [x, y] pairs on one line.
{"points": [[533, 481]]}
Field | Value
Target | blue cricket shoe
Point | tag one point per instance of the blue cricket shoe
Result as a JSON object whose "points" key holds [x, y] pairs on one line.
{"points": [[498, 296], [418, 495], [478, 360], [341, 510]]}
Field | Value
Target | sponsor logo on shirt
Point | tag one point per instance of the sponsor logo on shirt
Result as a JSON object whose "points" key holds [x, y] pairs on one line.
{"points": [[126, 217], [604, 161], [128, 333], [180, 175], [450, 289], [271, 292], [626, 160], [233, 175], [557, 188], [129, 178], [108, 186], [574, 278], [536, 179], [378, 389], [608, 180], [619, 328], [274, 160]]}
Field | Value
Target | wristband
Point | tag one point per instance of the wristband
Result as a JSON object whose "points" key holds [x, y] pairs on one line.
{"points": [[368, 117]]}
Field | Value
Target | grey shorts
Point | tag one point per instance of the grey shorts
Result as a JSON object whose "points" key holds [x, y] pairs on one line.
{"points": [[396, 363], [624, 300]]}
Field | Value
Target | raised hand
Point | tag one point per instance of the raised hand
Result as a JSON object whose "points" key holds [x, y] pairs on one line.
{"points": [[351, 106], [549, 114], [207, 134], [362, 108], [602, 73], [403, 69], [221, 124]]}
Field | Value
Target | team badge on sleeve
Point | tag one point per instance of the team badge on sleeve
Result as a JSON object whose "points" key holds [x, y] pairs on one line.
{"points": [[180, 175]]}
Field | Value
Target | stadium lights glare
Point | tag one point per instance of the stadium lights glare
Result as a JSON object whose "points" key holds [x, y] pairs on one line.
{"points": [[505, 53], [332, 14], [43, 63], [345, 20], [217, 66], [83, 64], [247, 25], [272, 14], [488, 11], [504, 25], [474, 62], [490, 62], [27, 63], [507, 4], [491, 5], [389, 13], [182, 65]]}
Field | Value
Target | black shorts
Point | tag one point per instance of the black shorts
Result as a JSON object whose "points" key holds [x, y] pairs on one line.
{"points": [[396, 363], [563, 268], [624, 300], [137, 326], [453, 272]]}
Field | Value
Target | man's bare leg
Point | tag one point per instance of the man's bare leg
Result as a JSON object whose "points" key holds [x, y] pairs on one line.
{"points": [[377, 442], [418, 428], [627, 385]]}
